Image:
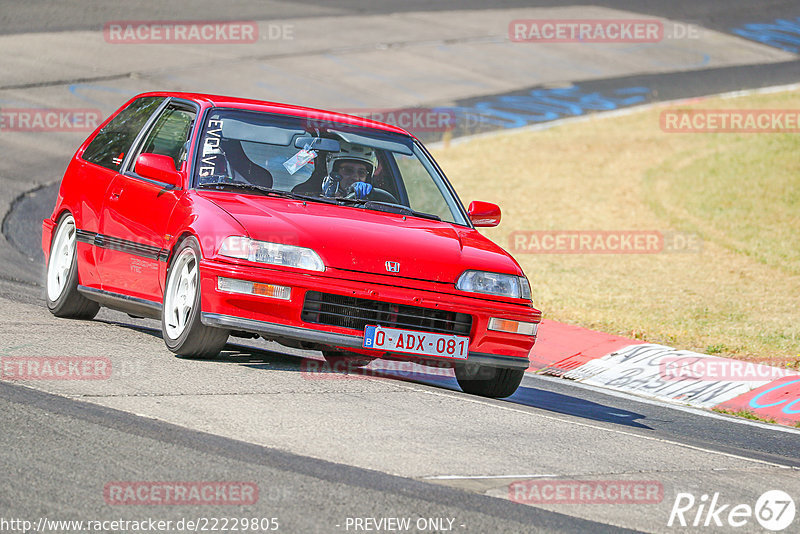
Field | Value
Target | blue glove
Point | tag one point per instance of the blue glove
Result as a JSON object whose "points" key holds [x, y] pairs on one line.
{"points": [[361, 189]]}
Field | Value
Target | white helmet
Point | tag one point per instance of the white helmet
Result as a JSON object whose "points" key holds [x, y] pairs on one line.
{"points": [[349, 151]]}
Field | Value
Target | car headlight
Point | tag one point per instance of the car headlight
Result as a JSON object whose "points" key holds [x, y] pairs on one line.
{"points": [[503, 285], [271, 253]]}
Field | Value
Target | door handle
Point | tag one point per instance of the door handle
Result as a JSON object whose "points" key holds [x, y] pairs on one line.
{"points": [[116, 193]]}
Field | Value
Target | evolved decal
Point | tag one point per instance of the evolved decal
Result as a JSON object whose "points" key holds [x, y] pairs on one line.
{"points": [[211, 149]]}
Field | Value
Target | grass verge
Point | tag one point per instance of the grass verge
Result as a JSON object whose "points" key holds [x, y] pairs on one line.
{"points": [[738, 195], [745, 414]]}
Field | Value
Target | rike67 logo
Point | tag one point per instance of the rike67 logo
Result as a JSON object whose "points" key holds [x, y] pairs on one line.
{"points": [[774, 510]]}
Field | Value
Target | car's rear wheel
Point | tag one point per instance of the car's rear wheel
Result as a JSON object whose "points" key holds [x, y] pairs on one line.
{"points": [[341, 359], [486, 381], [182, 330], [63, 298]]}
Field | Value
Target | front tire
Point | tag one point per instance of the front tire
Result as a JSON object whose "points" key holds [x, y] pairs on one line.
{"points": [[181, 328], [63, 298], [493, 382]]}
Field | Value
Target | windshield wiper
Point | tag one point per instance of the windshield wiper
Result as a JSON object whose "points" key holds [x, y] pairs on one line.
{"points": [[265, 191], [377, 205], [388, 207]]}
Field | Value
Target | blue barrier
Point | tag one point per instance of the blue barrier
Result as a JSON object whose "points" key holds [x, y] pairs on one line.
{"points": [[542, 105], [782, 33]]}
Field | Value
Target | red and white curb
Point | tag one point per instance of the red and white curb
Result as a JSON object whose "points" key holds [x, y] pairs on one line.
{"points": [[664, 373]]}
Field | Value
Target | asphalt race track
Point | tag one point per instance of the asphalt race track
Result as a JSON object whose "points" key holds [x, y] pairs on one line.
{"points": [[331, 452]]}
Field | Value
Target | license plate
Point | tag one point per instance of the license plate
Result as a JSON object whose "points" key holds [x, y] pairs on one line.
{"points": [[413, 342]]}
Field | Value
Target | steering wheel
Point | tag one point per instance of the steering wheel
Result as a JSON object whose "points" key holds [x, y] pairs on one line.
{"points": [[382, 195], [377, 194]]}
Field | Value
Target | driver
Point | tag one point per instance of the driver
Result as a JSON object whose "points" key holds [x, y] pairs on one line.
{"points": [[349, 171]]}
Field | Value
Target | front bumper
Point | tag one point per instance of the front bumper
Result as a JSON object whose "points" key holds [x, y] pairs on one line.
{"points": [[344, 340], [281, 319]]}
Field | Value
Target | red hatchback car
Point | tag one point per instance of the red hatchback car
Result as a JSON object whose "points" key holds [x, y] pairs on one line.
{"points": [[222, 216]]}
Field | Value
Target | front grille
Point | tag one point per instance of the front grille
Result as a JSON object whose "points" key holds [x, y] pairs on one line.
{"points": [[356, 313]]}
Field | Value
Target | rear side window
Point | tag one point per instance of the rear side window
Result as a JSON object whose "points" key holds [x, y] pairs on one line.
{"points": [[109, 147]]}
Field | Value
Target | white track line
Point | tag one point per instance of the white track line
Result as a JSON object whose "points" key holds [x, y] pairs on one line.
{"points": [[663, 403], [453, 394], [675, 405]]}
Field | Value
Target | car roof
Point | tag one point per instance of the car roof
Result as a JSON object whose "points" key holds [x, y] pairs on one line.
{"points": [[276, 107]]}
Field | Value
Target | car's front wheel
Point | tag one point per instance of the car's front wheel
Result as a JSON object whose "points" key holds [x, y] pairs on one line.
{"points": [[486, 381], [63, 299], [182, 330]]}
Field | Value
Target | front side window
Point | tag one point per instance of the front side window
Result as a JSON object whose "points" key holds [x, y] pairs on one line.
{"points": [[322, 159], [109, 147], [170, 134]]}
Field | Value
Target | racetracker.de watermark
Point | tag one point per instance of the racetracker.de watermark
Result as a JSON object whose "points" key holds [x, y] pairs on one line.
{"points": [[730, 120], [603, 242], [180, 493], [415, 120], [345, 369], [586, 491], [712, 369], [55, 368], [194, 32], [599, 31], [49, 120]]}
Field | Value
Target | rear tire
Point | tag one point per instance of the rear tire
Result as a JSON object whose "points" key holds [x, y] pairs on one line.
{"points": [[181, 328], [63, 298], [493, 382]]}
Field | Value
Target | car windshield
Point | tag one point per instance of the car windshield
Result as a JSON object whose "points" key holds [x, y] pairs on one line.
{"points": [[293, 156]]}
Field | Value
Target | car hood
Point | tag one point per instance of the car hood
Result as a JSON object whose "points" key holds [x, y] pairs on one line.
{"points": [[361, 240]]}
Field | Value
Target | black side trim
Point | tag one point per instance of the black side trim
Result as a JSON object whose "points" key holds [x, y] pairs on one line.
{"points": [[124, 303], [131, 247], [123, 245], [344, 340], [85, 237]]}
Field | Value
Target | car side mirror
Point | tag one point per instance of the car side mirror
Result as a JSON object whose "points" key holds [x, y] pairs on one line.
{"points": [[157, 167], [484, 213]]}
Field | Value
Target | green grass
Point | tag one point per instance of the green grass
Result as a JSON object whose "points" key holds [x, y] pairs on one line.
{"points": [[747, 415], [736, 296], [742, 192]]}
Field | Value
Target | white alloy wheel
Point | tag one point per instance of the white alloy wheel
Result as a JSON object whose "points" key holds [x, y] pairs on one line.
{"points": [[181, 293], [183, 331], [61, 257]]}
